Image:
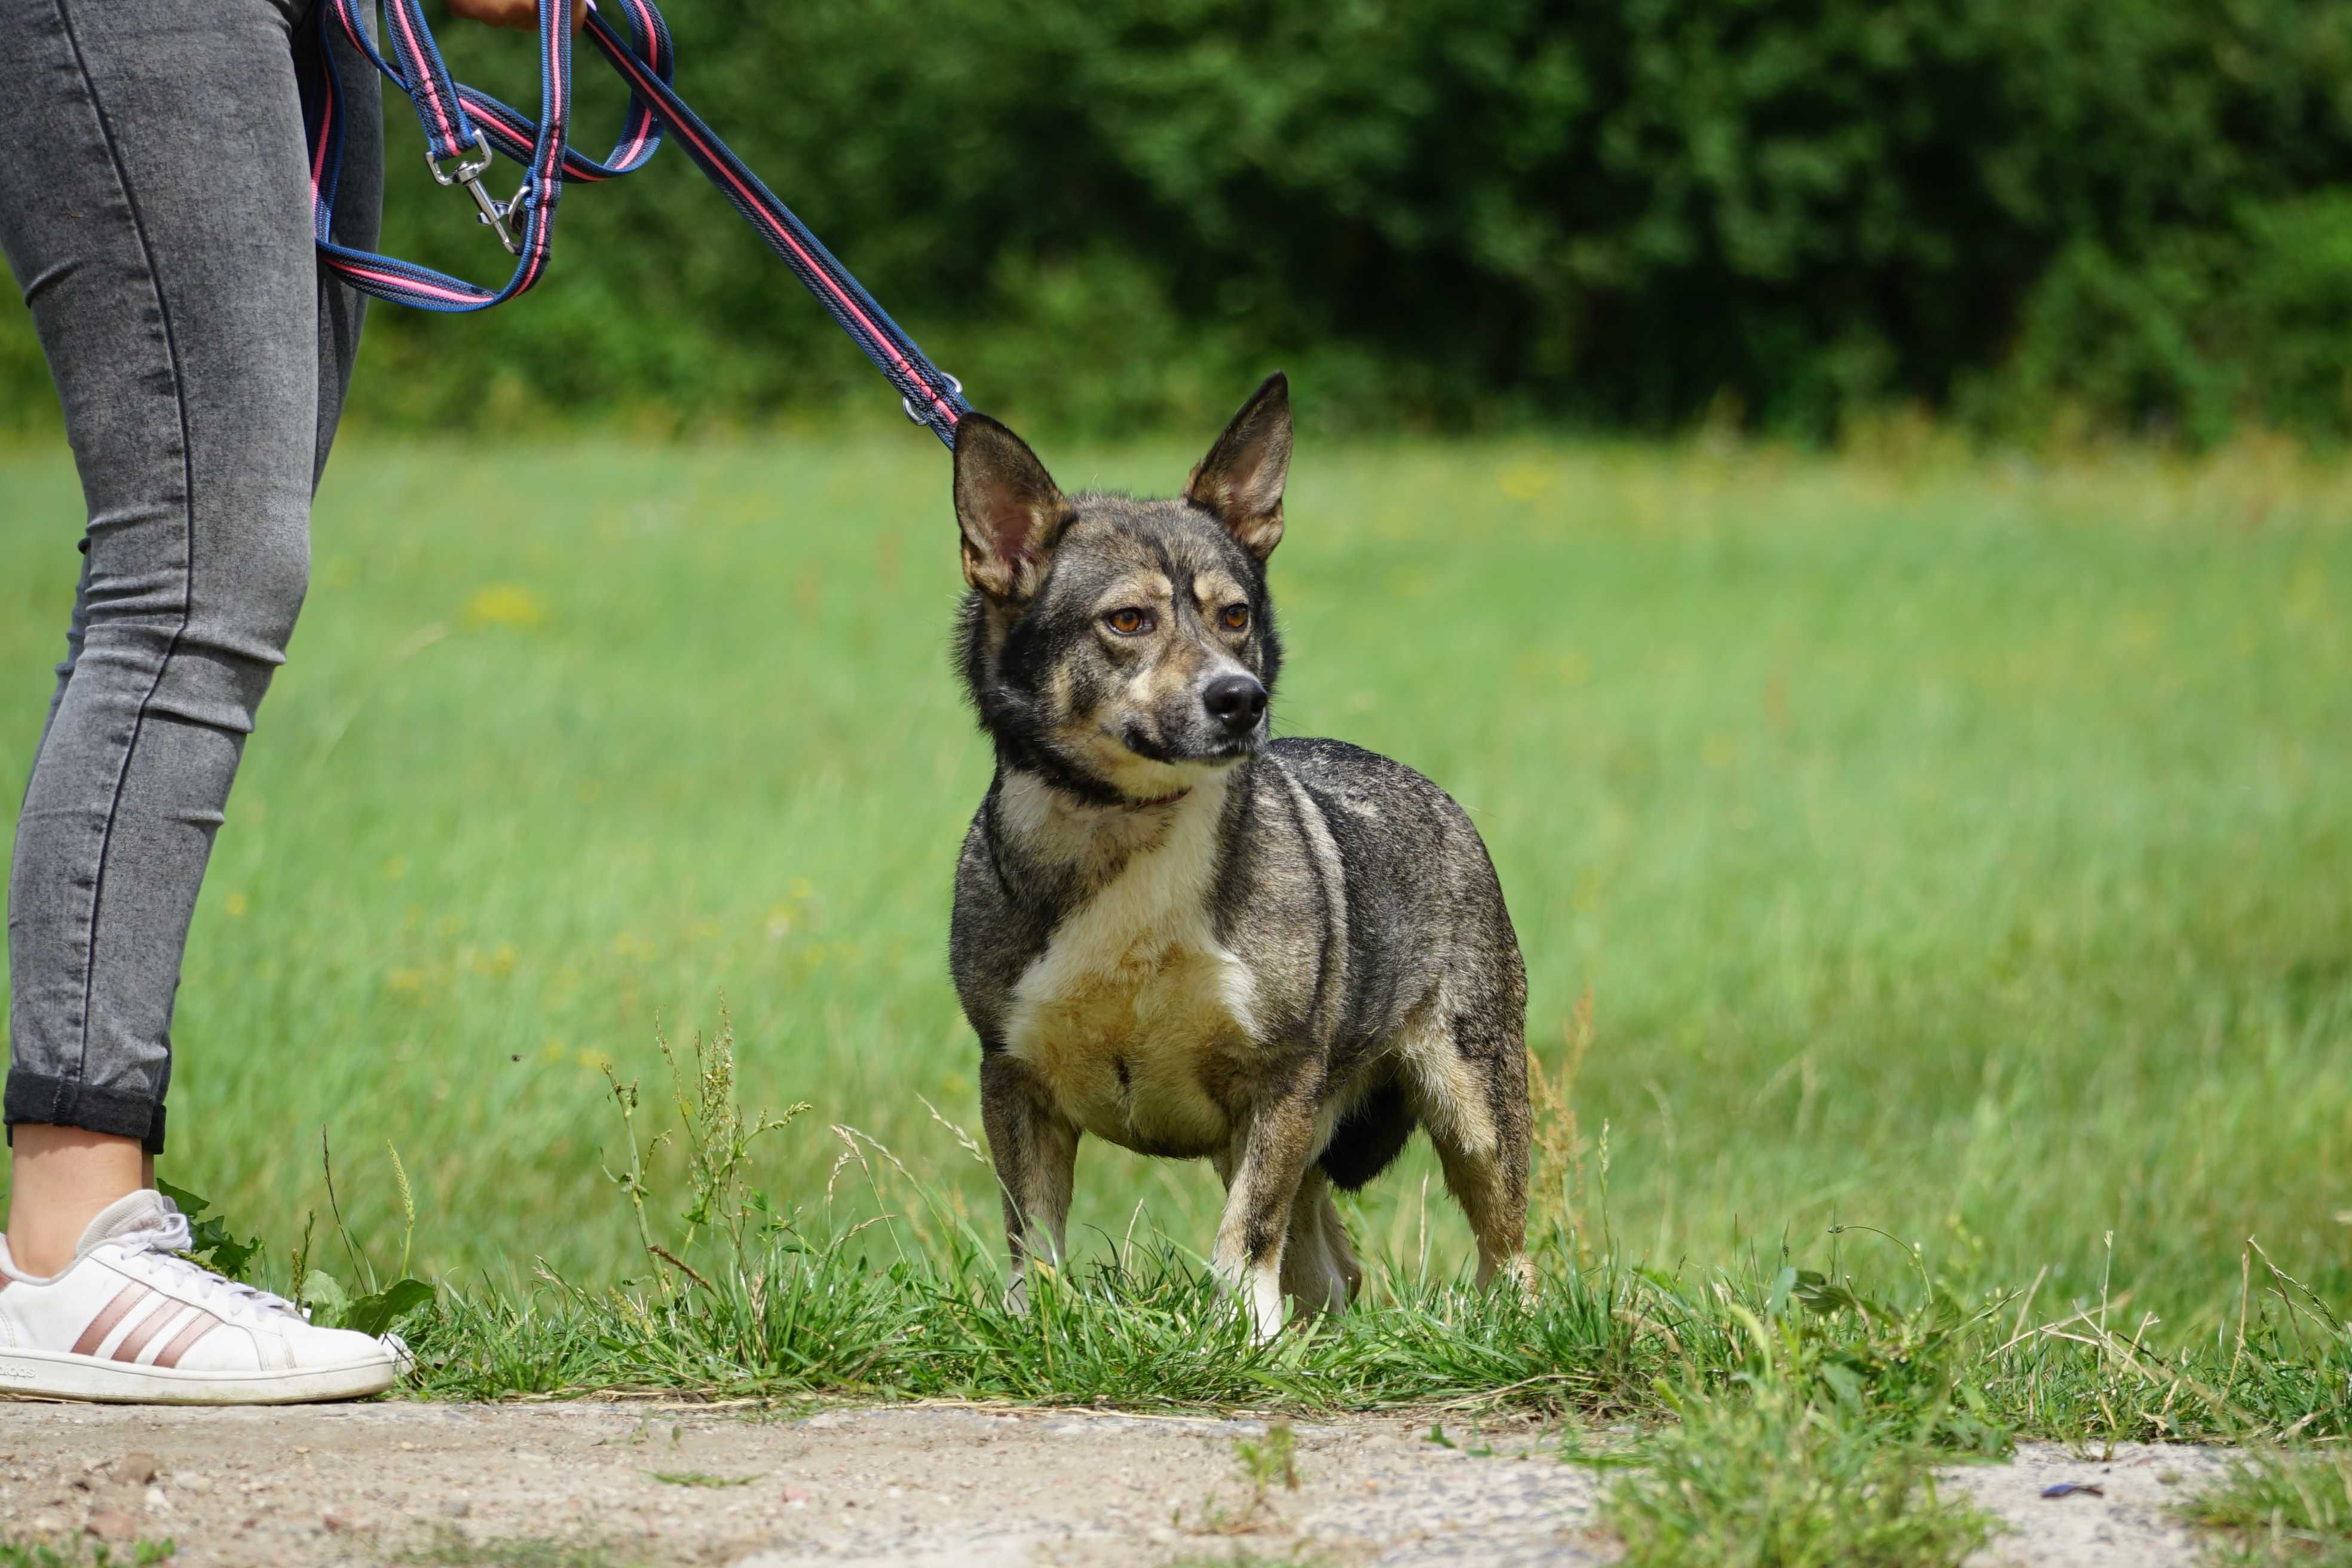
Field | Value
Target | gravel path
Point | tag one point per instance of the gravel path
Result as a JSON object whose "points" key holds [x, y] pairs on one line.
{"points": [[2128, 1521], [927, 1487]]}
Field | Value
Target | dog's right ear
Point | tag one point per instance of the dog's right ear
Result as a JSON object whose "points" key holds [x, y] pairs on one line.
{"points": [[1010, 509], [1240, 482]]}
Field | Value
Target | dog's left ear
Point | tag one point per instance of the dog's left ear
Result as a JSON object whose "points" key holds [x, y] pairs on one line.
{"points": [[1240, 481]]}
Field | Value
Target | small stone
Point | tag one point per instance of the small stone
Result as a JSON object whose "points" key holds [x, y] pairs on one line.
{"points": [[112, 1524], [158, 1500], [199, 1485], [458, 1508], [138, 1468], [48, 1523], [334, 1521]]}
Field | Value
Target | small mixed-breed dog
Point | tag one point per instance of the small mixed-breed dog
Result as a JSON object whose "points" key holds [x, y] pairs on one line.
{"points": [[1179, 935]]}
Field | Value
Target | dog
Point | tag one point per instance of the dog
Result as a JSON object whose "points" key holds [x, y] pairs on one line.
{"points": [[1176, 934]]}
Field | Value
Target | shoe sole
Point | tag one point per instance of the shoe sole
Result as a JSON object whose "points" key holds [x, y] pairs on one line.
{"points": [[52, 1374]]}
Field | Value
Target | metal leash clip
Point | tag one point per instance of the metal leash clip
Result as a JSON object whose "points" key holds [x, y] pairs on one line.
{"points": [[914, 419], [468, 174], [511, 218]]}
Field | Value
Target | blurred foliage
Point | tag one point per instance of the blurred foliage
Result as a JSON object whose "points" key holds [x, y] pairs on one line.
{"points": [[2118, 215]]}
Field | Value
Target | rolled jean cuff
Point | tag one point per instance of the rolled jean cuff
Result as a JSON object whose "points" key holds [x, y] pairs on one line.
{"points": [[60, 1102]]}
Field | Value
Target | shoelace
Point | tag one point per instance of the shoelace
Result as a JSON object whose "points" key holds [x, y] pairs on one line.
{"points": [[170, 1236]]}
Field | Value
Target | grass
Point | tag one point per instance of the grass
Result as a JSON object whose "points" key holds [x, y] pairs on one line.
{"points": [[1263, 1465], [1779, 1482], [1959, 851], [80, 1552], [1935, 875], [700, 1479], [740, 1301], [452, 1548], [2281, 1510]]}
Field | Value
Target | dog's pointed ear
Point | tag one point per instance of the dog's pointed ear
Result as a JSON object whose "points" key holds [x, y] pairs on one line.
{"points": [[1240, 481], [1011, 512]]}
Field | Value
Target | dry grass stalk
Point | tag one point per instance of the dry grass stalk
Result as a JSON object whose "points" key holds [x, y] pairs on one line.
{"points": [[1558, 1185]]}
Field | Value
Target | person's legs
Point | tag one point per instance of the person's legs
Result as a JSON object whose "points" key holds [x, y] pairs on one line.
{"points": [[155, 206]]}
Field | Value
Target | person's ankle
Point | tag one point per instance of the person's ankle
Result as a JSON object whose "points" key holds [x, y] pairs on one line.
{"points": [[39, 1251], [34, 1258], [61, 1178]]}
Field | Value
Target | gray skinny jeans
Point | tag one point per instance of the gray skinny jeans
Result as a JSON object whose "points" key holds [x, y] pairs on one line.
{"points": [[155, 208]]}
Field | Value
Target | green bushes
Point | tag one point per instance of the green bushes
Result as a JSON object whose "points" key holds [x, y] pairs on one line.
{"points": [[2132, 213]]}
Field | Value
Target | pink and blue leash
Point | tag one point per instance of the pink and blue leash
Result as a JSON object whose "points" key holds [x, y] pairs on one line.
{"points": [[464, 127]]}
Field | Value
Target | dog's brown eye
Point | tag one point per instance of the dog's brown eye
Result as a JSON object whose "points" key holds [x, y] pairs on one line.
{"points": [[1128, 621], [1236, 617]]}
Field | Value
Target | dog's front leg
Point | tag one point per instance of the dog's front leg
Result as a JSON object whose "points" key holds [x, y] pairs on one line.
{"points": [[1036, 1151], [1263, 1168]]}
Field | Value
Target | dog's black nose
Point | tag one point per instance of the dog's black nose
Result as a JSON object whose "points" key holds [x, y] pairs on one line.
{"points": [[1236, 701]]}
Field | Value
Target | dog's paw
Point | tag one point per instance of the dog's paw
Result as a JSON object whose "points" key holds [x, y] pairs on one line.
{"points": [[1515, 1276], [1263, 1291]]}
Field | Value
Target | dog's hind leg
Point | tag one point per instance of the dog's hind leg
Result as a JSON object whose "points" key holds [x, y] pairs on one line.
{"points": [[1469, 1087], [1036, 1151], [1493, 1195], [1320, 1270]]}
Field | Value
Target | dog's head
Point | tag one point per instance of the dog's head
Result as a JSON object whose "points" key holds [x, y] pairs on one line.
{"points": [[1122, 649]]}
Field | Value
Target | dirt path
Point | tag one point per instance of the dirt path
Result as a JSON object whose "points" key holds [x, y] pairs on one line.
{"points": [[623, 1484]]}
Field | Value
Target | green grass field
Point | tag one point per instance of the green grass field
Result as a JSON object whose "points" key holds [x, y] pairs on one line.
{"points": [[1961, 849]]}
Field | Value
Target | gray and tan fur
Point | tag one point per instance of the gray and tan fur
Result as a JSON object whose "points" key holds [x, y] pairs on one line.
{"points": [[1180, 936]]}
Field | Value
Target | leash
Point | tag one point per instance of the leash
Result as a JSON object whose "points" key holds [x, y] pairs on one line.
{"points": [[465, 127]]}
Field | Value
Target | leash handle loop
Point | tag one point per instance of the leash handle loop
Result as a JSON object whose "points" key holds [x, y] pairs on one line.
{"points": [[464, 127], [451, 136]]}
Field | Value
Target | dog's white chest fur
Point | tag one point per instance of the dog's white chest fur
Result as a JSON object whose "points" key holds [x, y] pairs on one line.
{"points": [[1127, 1014]]}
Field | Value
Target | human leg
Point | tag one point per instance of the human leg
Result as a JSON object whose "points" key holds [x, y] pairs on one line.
{"points": [[154, 203]]}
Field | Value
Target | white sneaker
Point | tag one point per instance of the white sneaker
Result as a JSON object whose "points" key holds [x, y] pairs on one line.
{"points": [[129, 1320]]}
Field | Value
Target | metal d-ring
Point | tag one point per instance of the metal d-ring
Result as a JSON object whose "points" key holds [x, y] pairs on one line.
{"points": [[914, 419], [469, 169]]}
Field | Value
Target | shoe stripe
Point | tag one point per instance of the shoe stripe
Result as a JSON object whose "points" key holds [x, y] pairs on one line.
{"points": [[198, 1327], [92, 1337], [147, 1328]]}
